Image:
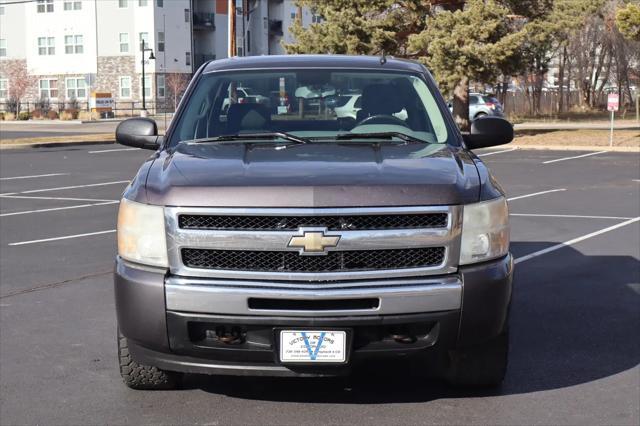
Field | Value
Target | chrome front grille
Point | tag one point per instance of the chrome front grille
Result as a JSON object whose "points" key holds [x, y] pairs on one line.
{"points": [[257, 244], [332, 223]]}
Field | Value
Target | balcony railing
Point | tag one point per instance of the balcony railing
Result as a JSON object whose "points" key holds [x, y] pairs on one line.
{"points": [[202, 58], [204, 21]]}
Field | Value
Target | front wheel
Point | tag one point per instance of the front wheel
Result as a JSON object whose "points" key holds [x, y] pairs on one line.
{"points": [[484, 365], [139, 376]]}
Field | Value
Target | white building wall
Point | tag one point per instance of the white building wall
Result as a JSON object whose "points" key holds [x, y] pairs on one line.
{"points": [[12, 24]]}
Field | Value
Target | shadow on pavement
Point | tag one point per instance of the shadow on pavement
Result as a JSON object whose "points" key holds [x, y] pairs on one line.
{"points": [[574, 319]]}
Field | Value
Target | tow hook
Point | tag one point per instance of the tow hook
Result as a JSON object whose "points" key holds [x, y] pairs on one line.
{"points": [[235, 336], [404, 338]]}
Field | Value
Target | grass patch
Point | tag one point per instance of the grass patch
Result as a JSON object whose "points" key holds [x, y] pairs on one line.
{"points": [[586, 137], [90, 138]]}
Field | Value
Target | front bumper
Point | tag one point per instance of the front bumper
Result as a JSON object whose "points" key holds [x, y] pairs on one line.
{"points": [[170, 322]]}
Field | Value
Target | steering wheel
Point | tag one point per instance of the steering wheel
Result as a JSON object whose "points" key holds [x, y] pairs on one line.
{"points": [[382, 119]]}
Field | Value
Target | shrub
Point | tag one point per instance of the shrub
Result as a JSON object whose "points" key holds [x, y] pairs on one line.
{"points": [[72, 104], [23, 116], [2, 116], [65, 115], [73, 113], [9, 116], [38, 114], [88, 115], [12, 105], [43, 105], [52, 115]]}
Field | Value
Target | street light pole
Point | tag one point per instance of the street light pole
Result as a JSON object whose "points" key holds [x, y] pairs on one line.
{"points": [[144, 49]]}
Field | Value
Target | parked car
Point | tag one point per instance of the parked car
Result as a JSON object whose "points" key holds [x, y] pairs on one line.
{"points": [[482, 105], [254, 243]]}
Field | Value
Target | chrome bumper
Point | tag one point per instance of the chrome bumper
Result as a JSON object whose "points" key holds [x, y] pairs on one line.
{"points": [[394, 297]]}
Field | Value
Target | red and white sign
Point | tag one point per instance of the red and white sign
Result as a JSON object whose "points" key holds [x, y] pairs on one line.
{"points": [[613, 102]]}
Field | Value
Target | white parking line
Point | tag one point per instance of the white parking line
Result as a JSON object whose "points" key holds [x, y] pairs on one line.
{"points": [[60, 188], [31, 197], [574, 241], [496, 152], [571, 158], [79, 206], [569, 216], [35, 176], [535, 193], [114, 150], [66, 237]]}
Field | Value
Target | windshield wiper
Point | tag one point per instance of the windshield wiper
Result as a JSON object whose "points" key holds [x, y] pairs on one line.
{"points": [[380, 135], [250, 137]]}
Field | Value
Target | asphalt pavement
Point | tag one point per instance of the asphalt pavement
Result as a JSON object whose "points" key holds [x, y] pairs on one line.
{"points": [[575, 316]]}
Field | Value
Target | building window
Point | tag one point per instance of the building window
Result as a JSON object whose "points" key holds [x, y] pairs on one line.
{"points": [[1, 10], [142, 3], [239, 51], [124, 42], [46, 46], [143, 37], [76, 88], [73, 44], [294, 13], [161, 87], [147, 86], [187, 59], [160, 41], [123, 3], [4, 88], [160, 3], [45, 6], [72, 5], [187, 15], [316, 19], [125, 87], [49, 88], [3, 47]]}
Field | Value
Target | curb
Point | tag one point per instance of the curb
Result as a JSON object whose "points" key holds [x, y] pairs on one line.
{"points": [[577, 148], [54, 144]]}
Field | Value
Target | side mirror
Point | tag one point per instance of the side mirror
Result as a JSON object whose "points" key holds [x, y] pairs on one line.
{"points": [[488, 131], [138, 132]]}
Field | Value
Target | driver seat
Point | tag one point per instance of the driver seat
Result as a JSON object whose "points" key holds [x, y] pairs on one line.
{"points": [[379, 99]]}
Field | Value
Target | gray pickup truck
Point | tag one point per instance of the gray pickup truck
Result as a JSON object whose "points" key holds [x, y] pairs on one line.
{"points": [[279, 240]]}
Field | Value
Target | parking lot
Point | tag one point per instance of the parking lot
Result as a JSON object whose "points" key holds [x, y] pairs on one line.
{"points": [[575, 316]]}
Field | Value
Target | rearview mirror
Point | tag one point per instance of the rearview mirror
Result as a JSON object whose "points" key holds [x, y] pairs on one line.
{"points": [[488, 131], [138, 132]]}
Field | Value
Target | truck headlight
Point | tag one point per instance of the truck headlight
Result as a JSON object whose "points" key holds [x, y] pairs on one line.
{"points": [[485, 231], [141, 233]]}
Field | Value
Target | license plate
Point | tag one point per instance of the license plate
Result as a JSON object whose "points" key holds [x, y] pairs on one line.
{"points": [[312, 346]]}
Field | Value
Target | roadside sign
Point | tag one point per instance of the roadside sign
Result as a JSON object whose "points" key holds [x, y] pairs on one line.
{"points": [[613, 102], [101, 102]]}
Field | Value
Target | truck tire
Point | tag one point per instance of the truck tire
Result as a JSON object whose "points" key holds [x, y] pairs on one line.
{"points": [[139, 376], [484, 365]]}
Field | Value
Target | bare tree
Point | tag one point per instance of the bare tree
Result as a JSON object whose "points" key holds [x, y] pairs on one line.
{"points": [[19, 80], [177, 84]]}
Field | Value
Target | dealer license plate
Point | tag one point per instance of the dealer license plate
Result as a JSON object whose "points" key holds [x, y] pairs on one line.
{"points": [[311, 346]]}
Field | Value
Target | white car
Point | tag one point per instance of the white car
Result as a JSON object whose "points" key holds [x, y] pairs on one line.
{"points": [[245, 95], [349, 110]]}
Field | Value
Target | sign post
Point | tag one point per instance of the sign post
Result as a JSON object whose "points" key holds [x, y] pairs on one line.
{"points": [[613, 103]]}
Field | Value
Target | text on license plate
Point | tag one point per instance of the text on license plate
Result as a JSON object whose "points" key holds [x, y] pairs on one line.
{"points": [[312, 346]]}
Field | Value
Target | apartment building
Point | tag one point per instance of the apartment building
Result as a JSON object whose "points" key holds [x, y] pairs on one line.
{"points": [[75, 47]]}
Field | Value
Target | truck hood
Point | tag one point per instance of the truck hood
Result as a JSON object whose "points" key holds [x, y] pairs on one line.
{"points": [[312, 175]]}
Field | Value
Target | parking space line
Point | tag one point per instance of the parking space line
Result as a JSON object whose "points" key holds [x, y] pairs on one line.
{"points": [[575, 240], [571, 158], [60, 188], [28, 197], [569, 216], [53, 209], [34, 176], [496, 152], [114, 150], [535, 193], [66, 237]]}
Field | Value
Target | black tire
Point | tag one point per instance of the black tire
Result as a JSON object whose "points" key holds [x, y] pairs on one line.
{"points": [[480, 366], [480, 115], [138, 376]]}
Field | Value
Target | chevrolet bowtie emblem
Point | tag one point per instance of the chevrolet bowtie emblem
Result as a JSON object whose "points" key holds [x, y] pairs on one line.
{"points": [[313, 242]]}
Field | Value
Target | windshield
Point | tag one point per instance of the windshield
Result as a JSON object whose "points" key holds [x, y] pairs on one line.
{"points": [[316, 105]]}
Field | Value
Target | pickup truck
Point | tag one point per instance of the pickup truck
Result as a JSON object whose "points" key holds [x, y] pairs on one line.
{"points": [[295, 244]]}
